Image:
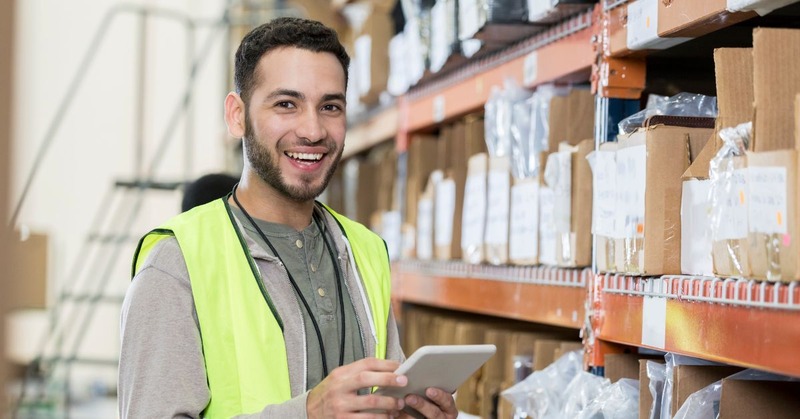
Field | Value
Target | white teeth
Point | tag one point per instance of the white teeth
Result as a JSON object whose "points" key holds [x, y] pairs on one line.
{"points": [[305, 156]]}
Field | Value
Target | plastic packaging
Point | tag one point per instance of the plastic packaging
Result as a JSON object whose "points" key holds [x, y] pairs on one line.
{"points": [[682, 104], [530, 129], [674, 360], [582, 391], [541, 395], [656, 373], [617, 401], [727, 194], [498, 110]]}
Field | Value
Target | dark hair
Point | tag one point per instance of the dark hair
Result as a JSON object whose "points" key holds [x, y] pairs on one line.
{"points": [[283, 32], [206, 189]]}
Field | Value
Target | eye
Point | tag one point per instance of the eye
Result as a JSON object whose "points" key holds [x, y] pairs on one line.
{"points": [[331, 107], [285, 104]]}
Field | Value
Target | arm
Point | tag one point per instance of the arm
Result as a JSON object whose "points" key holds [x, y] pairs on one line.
{"points": [[162, 370]]}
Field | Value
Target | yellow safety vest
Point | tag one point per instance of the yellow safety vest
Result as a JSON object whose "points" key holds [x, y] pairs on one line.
{"points": [[241, 331]]}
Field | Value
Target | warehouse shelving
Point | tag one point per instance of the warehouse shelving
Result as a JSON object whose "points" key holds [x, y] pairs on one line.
{"points": [[546, 295], [380, 127]]}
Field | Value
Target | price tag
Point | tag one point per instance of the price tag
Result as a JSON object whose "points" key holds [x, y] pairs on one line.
{"points": [[438, 109], [523, 241], [474, 212], [767, 205], [530, 68], [497, 211], [444, 208]]}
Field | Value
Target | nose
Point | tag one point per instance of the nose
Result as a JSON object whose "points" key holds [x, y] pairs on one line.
{"points": [[311, 127]]}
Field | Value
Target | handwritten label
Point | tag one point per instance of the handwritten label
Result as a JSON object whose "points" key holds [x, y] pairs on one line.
{"points": [[632, 181], [604, 182], [547, 228], [497, 213], [523, 242], [445, 208], [530, 68], [767, 205], [729, 206], [425, 229], [474, 211]]}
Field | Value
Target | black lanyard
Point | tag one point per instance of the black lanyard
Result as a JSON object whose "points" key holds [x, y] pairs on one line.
{"points": [[329, 247]]}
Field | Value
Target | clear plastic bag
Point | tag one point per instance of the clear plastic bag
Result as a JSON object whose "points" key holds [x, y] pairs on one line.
{"points": [[617, 401], [541, 395], [521, 150], [656, 372], [674, 360], [682, 104], [582, 391], [498, 110]]}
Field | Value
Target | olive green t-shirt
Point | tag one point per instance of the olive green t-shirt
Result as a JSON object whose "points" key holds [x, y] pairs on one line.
{"points": [[305, 255]]}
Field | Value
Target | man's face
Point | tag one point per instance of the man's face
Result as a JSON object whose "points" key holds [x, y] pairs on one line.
{"points": [[295, 121]]}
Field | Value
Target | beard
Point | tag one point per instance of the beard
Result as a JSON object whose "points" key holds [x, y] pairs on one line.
{"points": [[267, 168]]}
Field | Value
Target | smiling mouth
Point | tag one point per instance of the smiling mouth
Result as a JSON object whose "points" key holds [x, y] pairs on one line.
{"points": [[305, 157]]}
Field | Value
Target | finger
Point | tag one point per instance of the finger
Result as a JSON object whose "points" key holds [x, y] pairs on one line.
{"points": [[372, 403], [375, 364], [428, 409], [442, 398]]}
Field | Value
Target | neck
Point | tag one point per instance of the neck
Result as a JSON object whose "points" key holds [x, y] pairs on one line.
{"points": [[265, 203]]}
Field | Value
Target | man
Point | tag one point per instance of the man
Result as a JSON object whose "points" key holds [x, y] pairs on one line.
{"points": [[267, 304]]}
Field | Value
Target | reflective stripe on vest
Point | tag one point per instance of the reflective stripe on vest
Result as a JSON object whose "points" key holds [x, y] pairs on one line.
{"points": [[241, 332]]}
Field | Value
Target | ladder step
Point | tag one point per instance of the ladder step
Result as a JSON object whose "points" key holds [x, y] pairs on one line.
{"points": [[148, 184]]}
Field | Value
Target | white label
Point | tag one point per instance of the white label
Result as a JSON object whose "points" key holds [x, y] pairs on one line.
{"points": [[761, 7], [643, 27], [530, 69], [537, 9], [474, 212], [696, 229], [523, 242], [632, 181], [654, 321], [445, 208], [424, 229], [438, 109], [498, 206], [604, 204], [547, 228], [729, 206], [562, 191], [363, 47], [767, 199], [391, 233]]}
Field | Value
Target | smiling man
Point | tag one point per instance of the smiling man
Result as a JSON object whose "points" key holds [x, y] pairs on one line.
{"points": [[267, 304]]}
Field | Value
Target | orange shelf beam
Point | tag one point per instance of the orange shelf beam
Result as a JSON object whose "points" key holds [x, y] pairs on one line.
{"points": [[548, 304], [556, 61], [762, 338]]}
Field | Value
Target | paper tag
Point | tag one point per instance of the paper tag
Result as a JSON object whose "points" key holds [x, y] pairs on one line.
{"points": [[438, 108], [547, 229], [767, 199], [562, 191], [729, 207], [654, 321], [425, 229], [474, 211], [363, 48], [604, 182], [523, 242], [498, 206], [632, 181], [445, 208], [391, 232], [530, 68], [696, 243], [643, 27]]}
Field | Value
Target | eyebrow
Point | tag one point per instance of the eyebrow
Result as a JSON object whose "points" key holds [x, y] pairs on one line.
{"points": [[298, 95]]}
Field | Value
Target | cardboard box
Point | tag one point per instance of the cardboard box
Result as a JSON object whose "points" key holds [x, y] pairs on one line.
{"points": [[651, 162], [558, 121], [733, 69], [645, 397], [773, 215], [371, 55], [456, 172], [745, 399], [426, 217], [421, 161], [621, 366], [604, 206], [580, 114], [566, 347], [730, 251], [28, 272], [776, 82], [575, 248], [473, 220], [688, 379]]}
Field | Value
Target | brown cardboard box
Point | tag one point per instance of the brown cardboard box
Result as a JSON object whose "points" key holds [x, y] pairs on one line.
{"points": [[558, 122], [605, 251], [731, 256], [776, 83], [745, 399], [621, 366], [578, 251], [774, 255], [580, 111], [690, 378], [492, 372], [467, 333], [366, 202], [29, 272], [734, 78], [645, 397], [422, 150], [372, 44], [544, 353], [456, 170], [687, 18], [665, 151], [566, 347]]}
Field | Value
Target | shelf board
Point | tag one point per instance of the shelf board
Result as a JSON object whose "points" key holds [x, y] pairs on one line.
{"points": [[562, 53], [556, 299], [740, 326], [377, 129]]}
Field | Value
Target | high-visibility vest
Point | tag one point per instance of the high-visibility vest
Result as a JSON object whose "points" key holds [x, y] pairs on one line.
{"points": [[241, 331]]}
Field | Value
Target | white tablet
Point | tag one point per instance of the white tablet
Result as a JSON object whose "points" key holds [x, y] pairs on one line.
{"points": [[439, 366]]}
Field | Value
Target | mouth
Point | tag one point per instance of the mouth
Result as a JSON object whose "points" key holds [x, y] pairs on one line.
{"points": [[304, 158]]}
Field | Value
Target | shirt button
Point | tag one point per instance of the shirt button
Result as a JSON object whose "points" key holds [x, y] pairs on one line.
{"points": [[321, 292], [313, 268], [299, 244]]}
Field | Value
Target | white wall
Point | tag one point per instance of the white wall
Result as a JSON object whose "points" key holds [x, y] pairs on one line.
{"points": [[94, 144]]}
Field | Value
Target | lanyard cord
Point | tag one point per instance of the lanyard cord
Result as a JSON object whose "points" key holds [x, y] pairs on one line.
{"points": [[297, 288]]}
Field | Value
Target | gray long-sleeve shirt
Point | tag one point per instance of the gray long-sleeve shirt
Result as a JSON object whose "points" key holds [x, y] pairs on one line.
{"points": [[162, 371]]}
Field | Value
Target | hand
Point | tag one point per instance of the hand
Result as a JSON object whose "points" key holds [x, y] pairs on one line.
{"points": [[443, 406], [336, 396]]}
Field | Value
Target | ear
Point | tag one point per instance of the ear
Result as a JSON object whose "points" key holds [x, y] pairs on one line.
{"points": [[235, 114]]}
